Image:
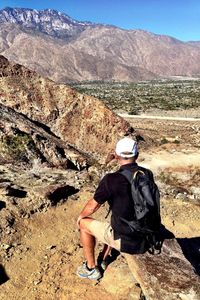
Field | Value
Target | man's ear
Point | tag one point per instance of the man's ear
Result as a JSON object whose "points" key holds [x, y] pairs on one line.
{"points": [[117, 156]]}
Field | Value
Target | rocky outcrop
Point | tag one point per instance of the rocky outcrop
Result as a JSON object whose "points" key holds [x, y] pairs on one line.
{"points": [[168, 275], [23, 141], [26, 191], [57, 118]]}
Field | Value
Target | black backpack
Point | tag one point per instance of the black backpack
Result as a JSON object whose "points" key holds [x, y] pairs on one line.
{"points": [[146, 199]]}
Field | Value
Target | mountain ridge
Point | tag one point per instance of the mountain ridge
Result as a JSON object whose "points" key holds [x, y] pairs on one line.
{"points": [[97, 52], [48, 21], [16, 15]]}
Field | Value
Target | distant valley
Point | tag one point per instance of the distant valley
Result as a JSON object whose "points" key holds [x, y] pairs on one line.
{"points": [[178, 97], [66, 50]]}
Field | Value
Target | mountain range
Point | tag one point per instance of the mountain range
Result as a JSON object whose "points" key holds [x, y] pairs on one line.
{"points": [[66, 50], [47, 21]]}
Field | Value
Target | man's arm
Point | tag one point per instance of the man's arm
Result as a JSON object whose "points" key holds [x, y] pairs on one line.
{"points": [[90, 207]]}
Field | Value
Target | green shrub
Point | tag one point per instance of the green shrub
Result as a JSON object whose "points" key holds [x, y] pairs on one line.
{"points": [[164, 141], [177, 142], [170, 95], [15, 146], [168, 178]]}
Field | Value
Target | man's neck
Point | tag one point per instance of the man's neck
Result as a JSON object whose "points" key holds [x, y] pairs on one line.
{"points": [[123, 162]]}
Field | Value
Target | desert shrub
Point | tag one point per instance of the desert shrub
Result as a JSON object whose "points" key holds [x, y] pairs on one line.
{"points": [[164, 141], [15, 146], [133, 112], [167, 178], [168, 95], [177, 142]]}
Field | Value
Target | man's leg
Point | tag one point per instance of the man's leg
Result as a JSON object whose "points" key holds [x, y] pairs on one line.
{"points": [[88, 241], [92, 229], [106, 251]]}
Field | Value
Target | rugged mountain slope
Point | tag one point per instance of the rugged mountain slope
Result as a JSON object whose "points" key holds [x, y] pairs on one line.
{"points": [[64, 62], [93, 52], [160, 55], [62, 115], [48, 21]]}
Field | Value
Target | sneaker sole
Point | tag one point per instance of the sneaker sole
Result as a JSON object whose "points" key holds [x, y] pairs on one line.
{"points": [[89, 276]]}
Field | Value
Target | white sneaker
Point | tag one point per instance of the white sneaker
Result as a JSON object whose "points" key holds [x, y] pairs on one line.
{"points": [[83, 272]]}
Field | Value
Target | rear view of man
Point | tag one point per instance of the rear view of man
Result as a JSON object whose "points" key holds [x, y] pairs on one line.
{"points": [[116, 189]]}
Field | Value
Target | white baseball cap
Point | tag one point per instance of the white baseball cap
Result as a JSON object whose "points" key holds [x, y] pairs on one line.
{"points": [[126, 148]]}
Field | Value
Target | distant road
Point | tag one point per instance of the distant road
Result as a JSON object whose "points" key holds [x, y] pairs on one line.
{"points": [[158, 118]]}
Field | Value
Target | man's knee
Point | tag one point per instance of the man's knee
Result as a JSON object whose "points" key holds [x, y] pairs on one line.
{"points": [[84, 224]]}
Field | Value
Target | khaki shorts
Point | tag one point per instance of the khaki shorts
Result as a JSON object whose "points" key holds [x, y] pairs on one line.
{"points": [[104, 233]]}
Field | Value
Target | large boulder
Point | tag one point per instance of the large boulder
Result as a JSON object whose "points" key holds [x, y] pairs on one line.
{"points": [[167, 276], [23, 141]]}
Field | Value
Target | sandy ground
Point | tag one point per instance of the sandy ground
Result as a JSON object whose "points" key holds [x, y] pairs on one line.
{"points": [[163, 159], [46, 267], [47, 270]]}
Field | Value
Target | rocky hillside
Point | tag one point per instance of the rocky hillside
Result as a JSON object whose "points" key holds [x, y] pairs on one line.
{"points": [[62, 125], [44, 248], [66, 50]]}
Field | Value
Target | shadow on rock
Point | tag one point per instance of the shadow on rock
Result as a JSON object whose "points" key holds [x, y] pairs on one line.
{"points": [[61, 193], [2, 204], [103, 264], [189, 246], [166, 234], [191, 250], [16, 192], [3, 276]]}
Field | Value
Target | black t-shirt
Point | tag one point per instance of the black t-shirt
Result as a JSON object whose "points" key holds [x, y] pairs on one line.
{"points": [[116, 189]]}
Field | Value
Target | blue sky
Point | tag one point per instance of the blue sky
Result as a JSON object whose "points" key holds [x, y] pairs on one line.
{"points": [[177, 18]]}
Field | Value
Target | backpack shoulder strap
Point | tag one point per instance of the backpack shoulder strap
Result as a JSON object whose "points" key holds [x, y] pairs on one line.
{"points": [[131, 176], [127, 174]]}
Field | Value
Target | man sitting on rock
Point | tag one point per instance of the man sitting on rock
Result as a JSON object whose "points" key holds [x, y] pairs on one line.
{"points": [[116, 189]]}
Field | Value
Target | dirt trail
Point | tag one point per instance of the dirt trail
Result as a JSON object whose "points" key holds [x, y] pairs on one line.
{"points": [[127, 116], [160, 160]]}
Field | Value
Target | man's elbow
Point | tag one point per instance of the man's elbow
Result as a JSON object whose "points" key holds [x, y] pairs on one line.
{"points": [[94, 205]]}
